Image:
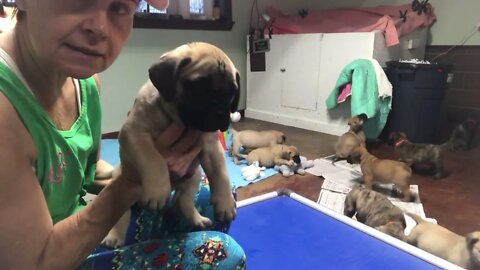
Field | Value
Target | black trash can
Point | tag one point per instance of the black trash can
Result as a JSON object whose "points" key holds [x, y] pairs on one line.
{"points": [[417, 102]]}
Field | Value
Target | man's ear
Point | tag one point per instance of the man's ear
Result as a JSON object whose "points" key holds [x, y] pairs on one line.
{"points": [[163, 74], [158, 4]]}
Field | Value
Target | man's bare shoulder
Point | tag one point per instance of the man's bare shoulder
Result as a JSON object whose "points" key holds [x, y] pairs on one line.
{"points": [[15, 141]]}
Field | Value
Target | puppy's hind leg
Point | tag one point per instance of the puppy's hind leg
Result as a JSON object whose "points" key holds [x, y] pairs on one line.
{"points": [[184, 202], [405, 188], [438, 165]]}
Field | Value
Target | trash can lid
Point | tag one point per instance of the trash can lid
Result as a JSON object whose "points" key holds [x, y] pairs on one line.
{"points": [[398, 64]]}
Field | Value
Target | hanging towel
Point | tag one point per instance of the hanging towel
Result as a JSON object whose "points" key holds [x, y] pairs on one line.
{"points": [[365, 98], [384, 85]]}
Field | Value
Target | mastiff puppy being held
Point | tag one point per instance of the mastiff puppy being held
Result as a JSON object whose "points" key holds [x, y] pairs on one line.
{"points": [[375, 210], [197, 85]]}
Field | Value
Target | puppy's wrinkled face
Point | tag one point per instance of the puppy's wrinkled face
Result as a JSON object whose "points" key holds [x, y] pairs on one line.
{"points": [[396, 136], [356, 123], [354, 157], [294, 155], [350, 205], [202, 82], [206, 100]]}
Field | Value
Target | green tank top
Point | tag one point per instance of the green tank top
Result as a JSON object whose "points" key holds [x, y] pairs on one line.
{"points": [[66, 159]]}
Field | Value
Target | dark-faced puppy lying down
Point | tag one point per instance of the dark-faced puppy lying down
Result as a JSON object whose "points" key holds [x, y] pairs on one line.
{"points": [[252, 139], [375, 210], [278, 154]]}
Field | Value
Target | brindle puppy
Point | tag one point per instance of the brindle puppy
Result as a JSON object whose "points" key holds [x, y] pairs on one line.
{"points": [[375, 210], [420, 153]]}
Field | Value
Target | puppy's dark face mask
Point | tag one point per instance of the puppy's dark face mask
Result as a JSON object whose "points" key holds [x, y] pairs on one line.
{"points": [[354, 158], [207, 101]]}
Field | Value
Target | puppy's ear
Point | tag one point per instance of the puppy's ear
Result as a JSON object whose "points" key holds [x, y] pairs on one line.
{"points": [[363, 117], [164, 74], [236, 98], [472, 238]]}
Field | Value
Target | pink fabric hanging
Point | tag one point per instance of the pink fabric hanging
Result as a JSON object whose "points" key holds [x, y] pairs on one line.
{"points": [[342, 20]]}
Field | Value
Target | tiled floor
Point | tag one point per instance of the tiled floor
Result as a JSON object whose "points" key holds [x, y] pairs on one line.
{"points": [[454, 201]]}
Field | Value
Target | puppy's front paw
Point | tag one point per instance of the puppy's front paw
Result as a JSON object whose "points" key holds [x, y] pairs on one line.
{"points": [[201, 222], [225, 207], [113, 240], [156, 196]]}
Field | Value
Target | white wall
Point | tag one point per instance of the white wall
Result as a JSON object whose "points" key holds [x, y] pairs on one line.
{"points": [[121, 82]]}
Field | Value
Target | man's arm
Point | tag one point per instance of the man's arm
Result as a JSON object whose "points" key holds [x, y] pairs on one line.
{"points": [[26, 226]]}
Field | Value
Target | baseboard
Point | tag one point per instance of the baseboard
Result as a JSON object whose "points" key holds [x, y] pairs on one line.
{"points": [[298, 122]]}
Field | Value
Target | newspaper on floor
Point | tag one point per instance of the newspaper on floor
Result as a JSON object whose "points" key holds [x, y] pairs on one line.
{"points": [[343, 164], [388, 190], [336, 187], [339, 174], [332, 200]]}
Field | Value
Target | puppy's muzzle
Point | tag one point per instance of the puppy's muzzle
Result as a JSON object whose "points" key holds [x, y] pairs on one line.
{"points": [[208, 120]]}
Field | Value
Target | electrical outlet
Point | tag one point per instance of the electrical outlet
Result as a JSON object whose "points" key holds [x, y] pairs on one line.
{"points": [[450, 78]]}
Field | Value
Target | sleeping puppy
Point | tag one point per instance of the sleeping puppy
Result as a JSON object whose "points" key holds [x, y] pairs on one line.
{"points": [[278, 154], [420, 153], [252, 139], [375, 210], [198, 85], [352, 138], [435, 239], [382, 170]]}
